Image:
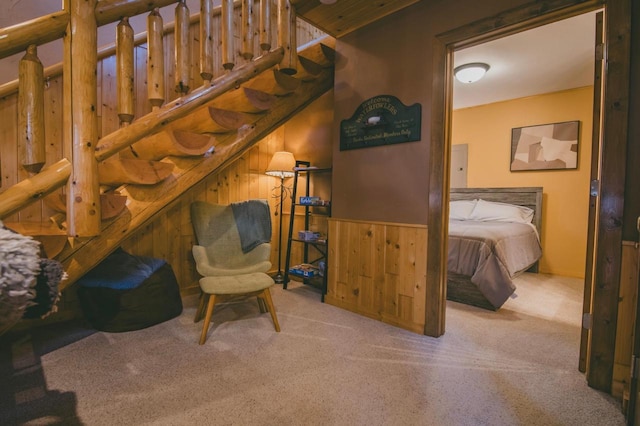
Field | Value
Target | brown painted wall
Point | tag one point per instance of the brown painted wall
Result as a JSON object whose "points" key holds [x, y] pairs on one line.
{"points": [[393, 57]]}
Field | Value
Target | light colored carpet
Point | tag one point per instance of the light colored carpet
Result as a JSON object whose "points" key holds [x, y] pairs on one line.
{"points": [[517, 366]]}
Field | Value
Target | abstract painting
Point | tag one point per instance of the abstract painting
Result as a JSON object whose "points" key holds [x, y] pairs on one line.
{"points": [[545, 146]]}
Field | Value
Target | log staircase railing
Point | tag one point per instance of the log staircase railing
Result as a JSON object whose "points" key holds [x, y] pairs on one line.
{"points": [[88, 185]]}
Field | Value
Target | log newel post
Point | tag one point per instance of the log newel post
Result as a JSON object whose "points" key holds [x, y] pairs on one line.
{"points": [[287, 36], [31, 111], [81, 61], [206, 40], [228, 54], [265, 25], [155, 59], [182, 50], [125, 72], [247, 29]]}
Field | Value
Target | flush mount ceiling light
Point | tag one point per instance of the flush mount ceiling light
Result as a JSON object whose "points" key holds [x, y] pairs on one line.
{"points": [[328, 1], [470, 73]]}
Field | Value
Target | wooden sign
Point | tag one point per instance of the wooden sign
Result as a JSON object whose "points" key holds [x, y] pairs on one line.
{"points": [[381, 120]]}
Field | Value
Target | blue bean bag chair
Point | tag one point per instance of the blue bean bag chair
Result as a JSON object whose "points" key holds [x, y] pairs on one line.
{"points": [[126, 292]]}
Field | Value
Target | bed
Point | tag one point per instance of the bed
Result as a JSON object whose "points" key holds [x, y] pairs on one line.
{"points": [[493, 237]]}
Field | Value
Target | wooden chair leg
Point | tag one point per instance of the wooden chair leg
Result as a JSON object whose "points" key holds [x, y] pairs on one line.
{"points": [[272, 310], [203, 300], [207, 319], [261, 304]]}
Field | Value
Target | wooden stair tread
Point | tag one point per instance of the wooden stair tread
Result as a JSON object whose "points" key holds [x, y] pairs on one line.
{"points": [[51, 238], [245, 99], [116, 171], [169, 142], [111, 204], [214, 120], [274, 82]]}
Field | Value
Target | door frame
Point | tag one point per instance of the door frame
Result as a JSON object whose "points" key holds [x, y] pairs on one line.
{"points": [[614, 143]]}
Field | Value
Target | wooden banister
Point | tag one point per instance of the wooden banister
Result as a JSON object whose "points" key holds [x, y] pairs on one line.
{"points": [[30, 190], [17, 38], [108, 11]]}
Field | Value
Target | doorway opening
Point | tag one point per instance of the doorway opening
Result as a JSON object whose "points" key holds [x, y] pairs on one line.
{"points": [[535, 78]]}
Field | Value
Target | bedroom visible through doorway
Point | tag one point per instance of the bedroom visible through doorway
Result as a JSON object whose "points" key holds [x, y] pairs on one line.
{"points": [[516, 92]]}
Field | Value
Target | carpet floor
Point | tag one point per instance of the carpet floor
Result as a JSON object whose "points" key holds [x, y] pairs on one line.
{"points": [[328, 366]]}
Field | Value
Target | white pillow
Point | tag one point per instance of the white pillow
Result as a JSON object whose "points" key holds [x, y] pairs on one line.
{"points": [[501, 212], [460, 210]]}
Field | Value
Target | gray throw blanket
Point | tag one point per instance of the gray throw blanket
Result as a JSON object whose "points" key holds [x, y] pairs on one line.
{"points": [[253, 221]]}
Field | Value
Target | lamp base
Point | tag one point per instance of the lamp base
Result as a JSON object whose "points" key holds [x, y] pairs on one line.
{"points": [[278, 278]]}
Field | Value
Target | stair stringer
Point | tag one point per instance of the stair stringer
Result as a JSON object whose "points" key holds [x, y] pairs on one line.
{"points": [[145, 203]]}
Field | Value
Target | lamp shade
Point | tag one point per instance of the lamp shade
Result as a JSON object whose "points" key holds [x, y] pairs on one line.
{"points": [[281, 165], [470, 73]]}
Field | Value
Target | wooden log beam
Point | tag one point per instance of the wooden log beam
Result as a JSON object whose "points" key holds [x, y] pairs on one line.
{"points": [[17, 38], [206, 40], [33, 189], [158, 120], [125, 71], [182, 50], [108, 11], [31, 136], [81, 119]]}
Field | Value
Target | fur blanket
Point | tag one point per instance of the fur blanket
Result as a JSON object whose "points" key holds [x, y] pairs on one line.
{"points": [[19, 268]]}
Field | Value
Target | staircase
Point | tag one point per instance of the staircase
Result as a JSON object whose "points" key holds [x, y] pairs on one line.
{"points": [[144, 165]]}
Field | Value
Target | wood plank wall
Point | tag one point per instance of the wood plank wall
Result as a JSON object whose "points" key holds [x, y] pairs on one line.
{"points": [[379, 270], [626, 319]]}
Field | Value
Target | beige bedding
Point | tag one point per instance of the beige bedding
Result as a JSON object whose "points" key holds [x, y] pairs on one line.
{"points": [[492, 254]]}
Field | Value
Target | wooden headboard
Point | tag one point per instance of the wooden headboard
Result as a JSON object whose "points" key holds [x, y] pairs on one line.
{"points": [[524, 196]]}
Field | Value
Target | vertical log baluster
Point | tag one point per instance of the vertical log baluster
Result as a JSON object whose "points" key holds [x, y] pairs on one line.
{"points": [[265, 25], [247, 29], [81, 61], [228, 54], [125, 71], [155, 60], [182, 50], [287, 37], [206, 40], [31, 111]]}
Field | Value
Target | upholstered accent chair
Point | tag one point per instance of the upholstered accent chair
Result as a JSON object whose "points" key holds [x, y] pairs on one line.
{"points": [[232, 255]]}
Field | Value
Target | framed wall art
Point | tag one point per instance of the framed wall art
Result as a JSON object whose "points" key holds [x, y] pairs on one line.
{"points": [[545, 146]]}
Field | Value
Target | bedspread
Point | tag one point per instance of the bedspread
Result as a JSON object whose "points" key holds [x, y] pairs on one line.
{"points": [[492, 253]]}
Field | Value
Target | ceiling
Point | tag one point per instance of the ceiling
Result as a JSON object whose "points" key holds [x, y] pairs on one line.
{"points": [[547, 59], [345, 16]]}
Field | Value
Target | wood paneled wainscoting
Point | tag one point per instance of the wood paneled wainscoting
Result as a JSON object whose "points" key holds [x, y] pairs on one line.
{"points": [[379, 270]]}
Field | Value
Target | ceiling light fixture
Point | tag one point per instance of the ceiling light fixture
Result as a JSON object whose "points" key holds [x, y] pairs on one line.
{"points": [[470, 73], [328, 1]]}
